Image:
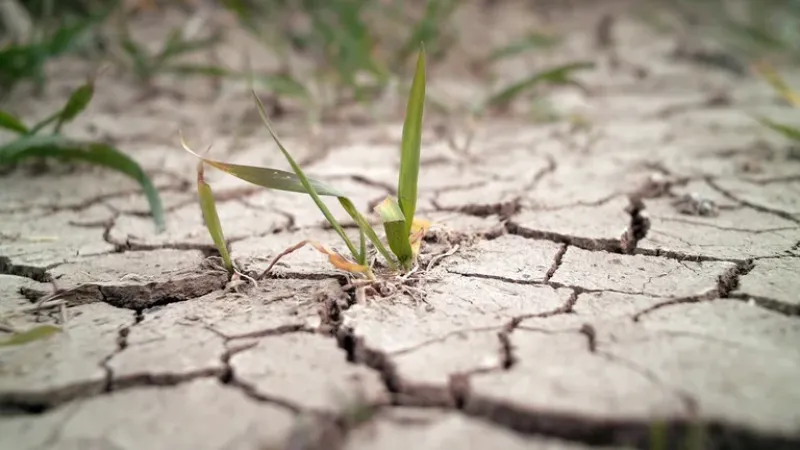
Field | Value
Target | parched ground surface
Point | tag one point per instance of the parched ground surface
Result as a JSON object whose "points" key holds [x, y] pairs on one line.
{"points": [[581, 286]]}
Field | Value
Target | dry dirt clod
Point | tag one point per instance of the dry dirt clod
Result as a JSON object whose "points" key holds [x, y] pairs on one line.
{"points": [[693, 204]]}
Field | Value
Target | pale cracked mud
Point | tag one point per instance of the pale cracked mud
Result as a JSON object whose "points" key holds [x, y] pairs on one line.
{"points": [[584, 305]]}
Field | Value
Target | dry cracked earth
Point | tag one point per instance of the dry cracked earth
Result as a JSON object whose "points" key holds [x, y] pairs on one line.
{"points": [[581, 286]]}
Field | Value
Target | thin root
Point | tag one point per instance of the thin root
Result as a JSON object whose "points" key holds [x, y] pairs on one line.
{"points": [[280, 255], [441, 256]]}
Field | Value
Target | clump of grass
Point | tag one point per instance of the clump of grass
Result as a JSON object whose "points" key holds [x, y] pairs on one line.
{"points": [[501, 98], [746, 28], [33, 142], [352, 59], [147, 65], [403, 230], [24, 59]]}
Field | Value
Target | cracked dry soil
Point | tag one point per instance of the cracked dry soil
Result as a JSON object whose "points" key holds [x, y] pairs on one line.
{"points": [[583, 304]]}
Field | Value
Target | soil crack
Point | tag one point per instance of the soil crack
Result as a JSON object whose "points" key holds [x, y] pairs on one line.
{"points": [[761, 208], [726, 284], [639, 225], [556, 263]]}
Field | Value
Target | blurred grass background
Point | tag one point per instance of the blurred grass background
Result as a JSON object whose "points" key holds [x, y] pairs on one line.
{"points": [[356, 43]]}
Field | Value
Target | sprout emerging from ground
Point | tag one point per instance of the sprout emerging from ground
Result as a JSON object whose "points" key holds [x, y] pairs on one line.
{"points": [[404, 232]]}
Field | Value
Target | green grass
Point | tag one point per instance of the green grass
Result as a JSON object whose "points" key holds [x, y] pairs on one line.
{"points": [[402, 229], [560, 75], [32, 142], [147, 65], [25, 61], [786, 93], [355, 47], [750, 29]]}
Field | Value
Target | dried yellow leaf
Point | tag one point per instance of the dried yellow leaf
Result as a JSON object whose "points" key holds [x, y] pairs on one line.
{"points": [[339, 261], [418, 229]]}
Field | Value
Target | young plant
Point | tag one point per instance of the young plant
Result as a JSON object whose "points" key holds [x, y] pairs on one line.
{"points": [[404, 232], [789, 95], [32, 143], [211, 218], [21, 61], [561, 75], [147, 65]]}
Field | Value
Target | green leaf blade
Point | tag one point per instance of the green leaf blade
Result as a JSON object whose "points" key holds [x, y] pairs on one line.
{"points": [[211, 217], [33, 334], [410, 148], [57, 146], [558, 75], [529, 42], [394, 224], [77, 102], [309, 188], [11, 123], [367, 229], [788, 131]]}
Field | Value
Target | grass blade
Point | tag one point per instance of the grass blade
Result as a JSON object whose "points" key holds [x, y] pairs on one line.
{"points": [[309, 188], [367, 229], [412, 137], [774, 79], [283, 85], [658, 436], [11, 123], [790, 132], [266, 177], [197, 69], [558, 75], [209, 208], [77, 102], [394, 223], [34, 334], [57, 146], [529, 42], [139, 58], [429, 29], [44, 122], [362, 246]]}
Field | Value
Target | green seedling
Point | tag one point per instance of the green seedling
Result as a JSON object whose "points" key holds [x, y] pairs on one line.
{"points": [[30, 335], [561, 75], [26, 61], [146, 65], [532, 41], [404, 232], [750, 28], [788, 94], [31, 142], [211, 218], [351, 59], [429, 29]]}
